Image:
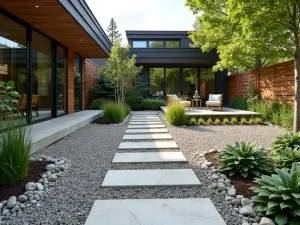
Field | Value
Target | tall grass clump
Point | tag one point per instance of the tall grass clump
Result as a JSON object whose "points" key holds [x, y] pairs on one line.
{"points": [[176, 115], [238, 103], [15, 147], [233, 120], [225, 120], [286, 112], [209, 121], [193, 121], [201, 121], [276, 118], [113, 113], [243, 120]]}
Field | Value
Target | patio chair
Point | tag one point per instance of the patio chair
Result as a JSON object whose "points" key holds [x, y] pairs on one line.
{"points": [[173, 99], [23, 104], [215, 100]]}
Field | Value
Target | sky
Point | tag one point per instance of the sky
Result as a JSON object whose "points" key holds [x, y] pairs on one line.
{"points": [[143, 14]]}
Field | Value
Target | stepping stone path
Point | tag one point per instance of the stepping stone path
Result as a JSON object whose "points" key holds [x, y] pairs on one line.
{"points": [[147, 131]]}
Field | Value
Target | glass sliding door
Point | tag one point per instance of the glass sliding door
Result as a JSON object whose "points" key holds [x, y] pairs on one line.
{"points": [[61, 96], [173, 81], [190, 81], [157, 82], [207, 82], [77, 82]]}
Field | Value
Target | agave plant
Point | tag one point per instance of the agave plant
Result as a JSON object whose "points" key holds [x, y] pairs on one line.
{"points": [[288, 140], [285, 158], [278, 196], [244, 158]]}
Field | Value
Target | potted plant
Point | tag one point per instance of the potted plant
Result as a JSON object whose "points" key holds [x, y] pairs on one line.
{"points": [[196, 95]]}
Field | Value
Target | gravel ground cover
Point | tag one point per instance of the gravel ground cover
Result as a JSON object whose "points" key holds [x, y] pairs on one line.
{"points": [[91, 150]]}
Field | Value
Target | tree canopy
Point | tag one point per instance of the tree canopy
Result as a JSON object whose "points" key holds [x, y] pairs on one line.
{"points": [[113, 32]]}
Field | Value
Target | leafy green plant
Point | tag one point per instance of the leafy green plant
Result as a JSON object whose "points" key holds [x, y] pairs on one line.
{"points": [[243, 120], [201, 121], [97, 104], [113, 113], [217, 121], [176, 115], [104, 87], [193, 121], [225, 120], [9, 97], [126, 109], [243, 158], [253, 93], [251, 121], [153, 104], [233, 120], [258, 120], [285, 158], [276, 118], [238, 103], [288, 140], [278, 196], [209, 121], [15, 147]]}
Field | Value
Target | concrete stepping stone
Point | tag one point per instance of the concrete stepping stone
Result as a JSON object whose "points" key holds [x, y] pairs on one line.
{"points": [[184, 211], [146, 120], [146, 126], [144, 113], [146, 136], [149, 157], [146, 123], [148, 145], [151, 130], [151, 178]]}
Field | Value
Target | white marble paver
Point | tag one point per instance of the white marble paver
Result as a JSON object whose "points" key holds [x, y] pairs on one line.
{"points": [[146, 126], [146, 136], [151, 130], [149, 157], [189, 211], [151, 178], [148, 145], [145, 122]]}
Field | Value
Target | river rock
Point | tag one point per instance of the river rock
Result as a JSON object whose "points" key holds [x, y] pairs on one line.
{"points": [[30, 186], [50, 167], [12, 202], [22, 198], [247, 211], [266, 221]]}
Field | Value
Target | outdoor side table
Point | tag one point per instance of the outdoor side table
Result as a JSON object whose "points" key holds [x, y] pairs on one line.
{"points": [[194, 100]]}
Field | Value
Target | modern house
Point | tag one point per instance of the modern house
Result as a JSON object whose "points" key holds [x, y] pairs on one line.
{"points": [[44, 46], [172, 66]]}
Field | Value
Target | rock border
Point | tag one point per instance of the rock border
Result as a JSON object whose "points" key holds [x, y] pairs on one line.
{"points": [[240, 206], [35, 191]]}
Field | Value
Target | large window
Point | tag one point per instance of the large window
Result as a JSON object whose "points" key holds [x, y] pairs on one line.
{"points": [[157, 81], [173, 81], [190, 76], [77, 82], [172, 44], [156, 44], [61, 80], [139, 44]]}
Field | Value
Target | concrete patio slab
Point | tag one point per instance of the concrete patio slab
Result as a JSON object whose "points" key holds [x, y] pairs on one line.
{"points": [[149, 157], [146, 126], [148, 145], [151, 178], [190, 211], [146, 136], [153, 130], [147, 122]]}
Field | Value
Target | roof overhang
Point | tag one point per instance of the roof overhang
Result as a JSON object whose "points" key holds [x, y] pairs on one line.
{"points": [[69, 22]]}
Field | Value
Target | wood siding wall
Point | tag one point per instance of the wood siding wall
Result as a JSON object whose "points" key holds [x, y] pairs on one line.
{"points": [[70, 81], [273, 82]]}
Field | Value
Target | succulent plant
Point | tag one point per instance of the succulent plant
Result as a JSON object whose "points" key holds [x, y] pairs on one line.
{"points": [[288, 140], [243, 120], [258, 120], [251, 121], [233, 120], [244, 158], [278, 196], [201, 121], [225, 120], [209, 121], [193, 121], [217, 121], [284, 158]]}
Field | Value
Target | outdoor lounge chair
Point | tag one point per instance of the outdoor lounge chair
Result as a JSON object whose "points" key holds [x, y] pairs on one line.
{"points": [[215, 100], [23, 104], [173, 99]]}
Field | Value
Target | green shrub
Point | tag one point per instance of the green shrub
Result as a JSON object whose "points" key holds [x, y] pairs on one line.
{"points": [[209, 121], [201, 121], [233, 120], [217, 121], [15, 147], [193, 121], [176, 115], [278, 196], [276, 118], [127, 109], [264, 110], [288, 140], [251, 121], [285, 158], [243, 158], [226, 120], [97, 104], [238, 103], [134, 99], [104, 87], [153, 104], [257, 120], [113, 113], [243, 120]]}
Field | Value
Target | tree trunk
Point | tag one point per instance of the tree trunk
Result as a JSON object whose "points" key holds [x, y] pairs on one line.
{"points": [[297, 95]]}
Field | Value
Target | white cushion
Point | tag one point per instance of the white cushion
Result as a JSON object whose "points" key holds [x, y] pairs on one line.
{"points": [[213, 97], [213, 102], [173, 97], [185, 102]]}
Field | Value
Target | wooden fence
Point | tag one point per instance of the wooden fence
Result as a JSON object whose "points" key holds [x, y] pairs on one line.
{"points": [[273, 82]]}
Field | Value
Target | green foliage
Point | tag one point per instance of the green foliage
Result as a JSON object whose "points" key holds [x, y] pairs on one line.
{"points": [[15, 147], [288, 140], [253, 93], [258, 120], [243, 120], [238, 103], [278, 196], [285, 158], [193, 121], [113, 32], [97, 104], [176, 115], [153, 104], [276, 118], [209, 121], [126, 109], [113, 113], [251, 121], [286, 115], [244, 158], [134, 99], [201, 121], [217, 121], [104, 87], [233, 120], [225, 120], [9, 98]]}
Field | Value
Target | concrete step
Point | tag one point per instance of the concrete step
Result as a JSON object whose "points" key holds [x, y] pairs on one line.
{"points": [[149, 157]]}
